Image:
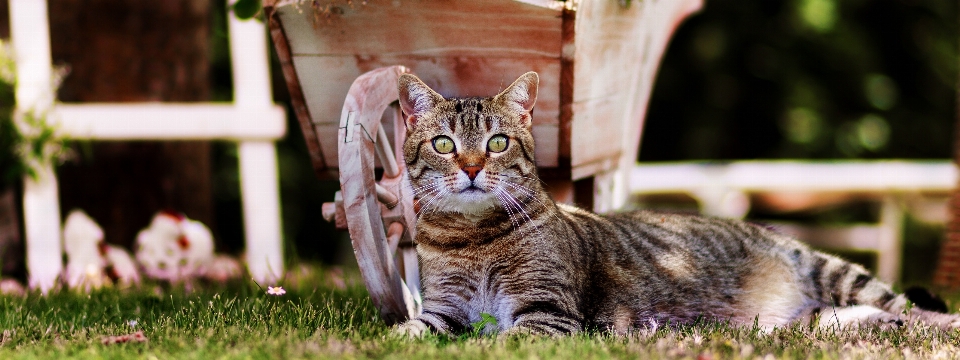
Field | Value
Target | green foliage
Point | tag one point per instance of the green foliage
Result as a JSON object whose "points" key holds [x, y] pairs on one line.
{"points": [[11, 166], [246, 9], [27, 141], [485, 319], [814, 79], [39, 144]]}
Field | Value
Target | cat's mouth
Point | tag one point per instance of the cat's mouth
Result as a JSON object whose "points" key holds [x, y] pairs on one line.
{"points": [[472, 189]]}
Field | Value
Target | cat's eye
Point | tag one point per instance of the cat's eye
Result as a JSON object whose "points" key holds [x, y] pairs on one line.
{"points": [[497, 143], [443, 144]]}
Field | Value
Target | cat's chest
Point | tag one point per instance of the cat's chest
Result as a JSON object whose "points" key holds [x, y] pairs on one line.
{"points": [[488, 298]]}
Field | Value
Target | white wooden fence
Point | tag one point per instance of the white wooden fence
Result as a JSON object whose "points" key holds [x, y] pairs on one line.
{"points": [[252, 120], [723, 189]]}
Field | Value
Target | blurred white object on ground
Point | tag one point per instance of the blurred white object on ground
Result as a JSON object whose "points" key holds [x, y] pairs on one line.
{"points": [[120, 265], [81, 241], [174, 248], [12, 287], [223, 268]]}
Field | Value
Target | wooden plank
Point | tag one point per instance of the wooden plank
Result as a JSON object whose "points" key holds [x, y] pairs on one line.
{"points": [[41, 216], [260, 192], [599, 127], [250, 63], [567, 84], [41, 204], [326, 81], [777, 176], [29, 21], [469, 48], [427, 28], [326, 132], [605, 164], [169, 121], [462, 49], [285, 56], [616, 53], [545, 136]]}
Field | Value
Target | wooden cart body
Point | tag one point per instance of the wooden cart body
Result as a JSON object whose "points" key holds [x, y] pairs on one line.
{"points": [[597, 61]]}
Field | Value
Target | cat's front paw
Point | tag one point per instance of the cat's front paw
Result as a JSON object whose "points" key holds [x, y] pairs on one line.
{"points": [[413, 329]]}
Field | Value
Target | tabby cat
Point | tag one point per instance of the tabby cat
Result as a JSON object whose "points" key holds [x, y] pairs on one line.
{"points": [[491, 240]]}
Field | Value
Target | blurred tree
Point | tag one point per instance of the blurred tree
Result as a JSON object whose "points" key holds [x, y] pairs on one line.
{"points": [[133, 51], [948, 267], [11, 170], [807, 79]]}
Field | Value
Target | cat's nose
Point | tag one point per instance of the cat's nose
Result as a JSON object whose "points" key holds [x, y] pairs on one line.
{"points": [[472, 171]]}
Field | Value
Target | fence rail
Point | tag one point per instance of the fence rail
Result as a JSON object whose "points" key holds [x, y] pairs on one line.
{"points": [[723, 190]]}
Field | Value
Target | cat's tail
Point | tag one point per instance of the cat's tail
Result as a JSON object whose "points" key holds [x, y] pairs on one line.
{"points": [[836, 282]]}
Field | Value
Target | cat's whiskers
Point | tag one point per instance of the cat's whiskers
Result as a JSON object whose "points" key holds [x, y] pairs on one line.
{"points": [[521, 210], [433, 203], [533, 195], [525, 194], [418, 191], [526, 191], [438, 191], [505, 199], [533, 178], [425, 187], [498, 193], [421, 192]]}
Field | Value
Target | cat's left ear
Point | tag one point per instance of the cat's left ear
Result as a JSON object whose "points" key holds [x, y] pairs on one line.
{"points": [[521, 96], [416, 99]]}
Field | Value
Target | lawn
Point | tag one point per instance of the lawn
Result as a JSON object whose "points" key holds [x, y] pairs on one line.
{"points": [[318, 319]]}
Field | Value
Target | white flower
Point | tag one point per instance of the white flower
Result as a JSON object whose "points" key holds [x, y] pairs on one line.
{"points": [[276, 290]]}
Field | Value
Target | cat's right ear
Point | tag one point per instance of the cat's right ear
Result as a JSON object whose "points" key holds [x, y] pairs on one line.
{"points": [[416, 98]]}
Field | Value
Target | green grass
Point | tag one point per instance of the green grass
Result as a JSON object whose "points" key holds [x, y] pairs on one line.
{"points": [[314, 320]]}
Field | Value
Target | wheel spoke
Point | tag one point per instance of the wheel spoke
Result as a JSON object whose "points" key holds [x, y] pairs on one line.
{"points": [[394, 232], [387, 197], [411, 274], [399, 132], [385, 153]]}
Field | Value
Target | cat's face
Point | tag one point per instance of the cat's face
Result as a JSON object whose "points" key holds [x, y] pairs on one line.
{"points": [[470, 155]]}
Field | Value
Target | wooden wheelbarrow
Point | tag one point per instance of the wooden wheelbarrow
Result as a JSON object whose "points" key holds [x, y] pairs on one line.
{"points": [[597, 61]]}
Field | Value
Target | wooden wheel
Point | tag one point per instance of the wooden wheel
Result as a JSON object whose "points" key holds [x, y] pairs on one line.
{"points": [[378, 214]]}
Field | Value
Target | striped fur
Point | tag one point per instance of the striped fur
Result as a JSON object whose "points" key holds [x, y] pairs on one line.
{"points": [[495, 242]]}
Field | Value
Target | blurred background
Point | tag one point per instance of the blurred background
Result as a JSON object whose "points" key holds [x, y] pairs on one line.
{"points": [[758, 79], [813, 79], [808, 79]]}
